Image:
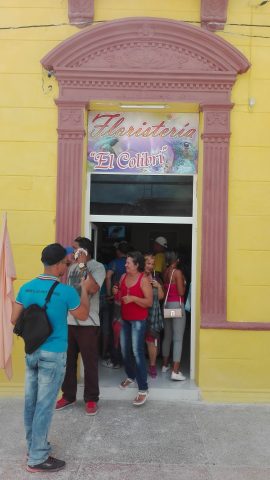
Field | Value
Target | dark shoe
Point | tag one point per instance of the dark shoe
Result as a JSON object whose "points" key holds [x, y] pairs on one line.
{"points": [[50, 465], [63, 403], [91, 408]]}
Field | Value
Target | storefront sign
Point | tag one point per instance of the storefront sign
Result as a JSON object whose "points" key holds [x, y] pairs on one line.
{"points": [[143, 143]]}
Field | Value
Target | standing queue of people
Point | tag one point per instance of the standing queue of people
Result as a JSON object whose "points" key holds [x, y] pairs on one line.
{"points": [[134, 290], [138, 295]]}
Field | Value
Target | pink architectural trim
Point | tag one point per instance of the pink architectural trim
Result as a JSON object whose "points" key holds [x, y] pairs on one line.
{"points": [[214, 14], [81, 12], [215, 211], [150, 59]]}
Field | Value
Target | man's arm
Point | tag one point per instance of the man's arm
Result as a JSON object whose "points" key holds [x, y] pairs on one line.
{"points": [[17, 309], [82, 312], [108, 281], [94, 287]]}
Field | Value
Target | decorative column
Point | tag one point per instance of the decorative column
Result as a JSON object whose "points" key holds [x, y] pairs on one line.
{"points": [[71, 132], [215, 213]]}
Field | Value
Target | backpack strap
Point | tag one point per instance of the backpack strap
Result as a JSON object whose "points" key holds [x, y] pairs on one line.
{"points": [[50, 292]]}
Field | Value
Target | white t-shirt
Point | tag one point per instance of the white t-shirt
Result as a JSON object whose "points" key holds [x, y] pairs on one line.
{"points": [[97, 270]]}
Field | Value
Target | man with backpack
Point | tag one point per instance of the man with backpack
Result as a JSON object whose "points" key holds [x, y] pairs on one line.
{"points": [[45, 367]]}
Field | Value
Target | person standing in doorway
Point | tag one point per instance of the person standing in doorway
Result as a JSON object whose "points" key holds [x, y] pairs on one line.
{"points": [[45, 367], [116, 268], [159, 248], [155, 317], [136, 296], [174, 328], [83, 337]]}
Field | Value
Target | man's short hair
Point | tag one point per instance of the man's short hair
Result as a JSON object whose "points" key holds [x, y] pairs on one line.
{"points": [[53, 254], [86, 244], [123, 247]]}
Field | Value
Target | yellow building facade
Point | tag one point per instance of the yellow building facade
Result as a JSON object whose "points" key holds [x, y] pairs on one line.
{"points": [[231, 364]]}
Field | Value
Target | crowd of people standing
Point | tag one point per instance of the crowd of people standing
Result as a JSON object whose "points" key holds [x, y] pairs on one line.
{"points": [[125, 297], [147, 281]]}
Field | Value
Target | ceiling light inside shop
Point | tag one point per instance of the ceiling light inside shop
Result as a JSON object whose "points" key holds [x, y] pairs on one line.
{"points": [[149, 107]]}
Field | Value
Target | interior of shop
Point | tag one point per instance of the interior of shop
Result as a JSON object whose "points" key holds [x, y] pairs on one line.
{"points": [[141, 237], [138, 209]]}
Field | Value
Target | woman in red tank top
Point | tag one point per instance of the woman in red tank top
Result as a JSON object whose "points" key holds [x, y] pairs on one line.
{"points": [[135, 293]]}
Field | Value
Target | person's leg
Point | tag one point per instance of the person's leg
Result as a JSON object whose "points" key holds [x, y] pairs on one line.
{"points": [[69, 387], [88, 339], [152, 351], [31, 391], [116, 328], [138, 334], [126, 348], [178, 326], [105, 327], [167, 340], [51, 370]]}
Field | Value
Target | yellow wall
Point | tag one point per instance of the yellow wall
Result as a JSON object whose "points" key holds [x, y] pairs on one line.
{"points": [[231, 364]]}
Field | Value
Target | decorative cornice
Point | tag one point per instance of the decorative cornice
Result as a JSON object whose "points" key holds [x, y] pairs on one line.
{"points": [[81, 12], [214, 14], [128, 83], [216, 138], [70, 135], [145, 45]]}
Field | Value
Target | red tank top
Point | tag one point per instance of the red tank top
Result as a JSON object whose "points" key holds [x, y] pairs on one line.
{"points": [[173, 295], [132, 311]]}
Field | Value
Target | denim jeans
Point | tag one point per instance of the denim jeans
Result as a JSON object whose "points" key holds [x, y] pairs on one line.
{"points": [[132, 340], [44, 375]]}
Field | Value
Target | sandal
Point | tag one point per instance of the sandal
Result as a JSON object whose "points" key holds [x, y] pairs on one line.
{"points": [[140, 399], [126, 383]]}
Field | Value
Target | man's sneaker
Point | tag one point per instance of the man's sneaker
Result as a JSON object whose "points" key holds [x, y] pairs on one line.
{"points": [[63, 403], [50, 465], [140, 399], [91, 408], [126, 383], [152, 371], [107, 363], [116, 366], [177, 376], [165, 368]]}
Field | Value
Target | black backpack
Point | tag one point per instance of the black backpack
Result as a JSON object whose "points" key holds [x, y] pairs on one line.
{"points": [[33, 324]]}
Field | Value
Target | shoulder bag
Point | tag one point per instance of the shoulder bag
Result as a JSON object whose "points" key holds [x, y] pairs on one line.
{"points": [[171, 312], [33, 324]]}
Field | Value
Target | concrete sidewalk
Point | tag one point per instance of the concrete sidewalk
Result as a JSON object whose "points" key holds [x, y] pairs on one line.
{"points": [[160, 440]]}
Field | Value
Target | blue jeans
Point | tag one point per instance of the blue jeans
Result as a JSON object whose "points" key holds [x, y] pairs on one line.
{"points": [[132, 340], [44, 375]]}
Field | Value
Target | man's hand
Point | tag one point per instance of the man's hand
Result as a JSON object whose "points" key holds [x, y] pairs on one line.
{"points": [[80, 256]]}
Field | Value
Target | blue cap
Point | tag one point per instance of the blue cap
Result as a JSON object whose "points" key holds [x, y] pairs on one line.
{"points": [[69, 250]]}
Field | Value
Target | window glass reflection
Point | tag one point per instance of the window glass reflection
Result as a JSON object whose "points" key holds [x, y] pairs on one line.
{"points": [[151, 195]]}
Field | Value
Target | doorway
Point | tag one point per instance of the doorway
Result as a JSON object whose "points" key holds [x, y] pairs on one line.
{"points": [[140, 208]]}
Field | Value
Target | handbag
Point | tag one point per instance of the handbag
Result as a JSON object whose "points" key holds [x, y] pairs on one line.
{"points": [[171, 312], [33, 324]]}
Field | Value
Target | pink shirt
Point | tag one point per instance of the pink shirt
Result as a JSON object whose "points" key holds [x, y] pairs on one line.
{"points": [[173, 295]]}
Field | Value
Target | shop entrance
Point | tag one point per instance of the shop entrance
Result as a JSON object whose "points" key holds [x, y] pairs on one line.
{"points": [[138, 209]]}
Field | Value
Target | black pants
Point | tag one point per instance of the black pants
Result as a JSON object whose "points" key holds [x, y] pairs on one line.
{"points": [[86, 341]]}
